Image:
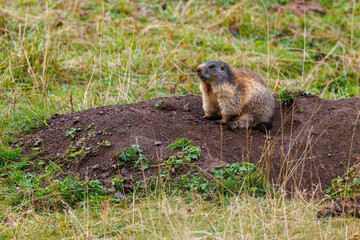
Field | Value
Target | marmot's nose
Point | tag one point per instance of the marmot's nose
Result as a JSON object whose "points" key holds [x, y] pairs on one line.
{"points": [[200, 70]]}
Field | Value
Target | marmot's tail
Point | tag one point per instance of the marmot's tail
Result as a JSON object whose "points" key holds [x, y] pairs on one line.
{"points": [[263, 126]]}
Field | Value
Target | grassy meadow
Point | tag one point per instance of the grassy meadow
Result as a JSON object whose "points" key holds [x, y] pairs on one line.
{"points": [[64, 56]]}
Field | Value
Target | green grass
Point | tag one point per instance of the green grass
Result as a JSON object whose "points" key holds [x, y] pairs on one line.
{"points": [[59, 56], [175, 218]]}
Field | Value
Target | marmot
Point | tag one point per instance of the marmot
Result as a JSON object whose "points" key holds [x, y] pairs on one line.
{"points": [[235, 94]]}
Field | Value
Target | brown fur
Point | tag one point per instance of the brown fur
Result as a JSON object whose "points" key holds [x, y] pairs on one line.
{"points": [[235, 94]]}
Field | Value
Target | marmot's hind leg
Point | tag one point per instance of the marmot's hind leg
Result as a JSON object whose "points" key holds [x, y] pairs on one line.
{"points": [[262, 123], [245, 121], [248, 120]]}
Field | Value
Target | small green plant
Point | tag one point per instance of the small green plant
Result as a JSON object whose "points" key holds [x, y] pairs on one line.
{"points": [[134, 154], [305, 92], [72, 132], [117, 184], [105, 130], [141, 162], [107, 143], [286, 97], [76, 154], [180, 142], [90, 126], [301, 110], [79, 153], [158, 104], [187, 153], [346, 185], [41, 163]]}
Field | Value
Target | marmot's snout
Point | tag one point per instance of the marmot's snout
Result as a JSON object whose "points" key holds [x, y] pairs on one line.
{"points": [[201, 72]]}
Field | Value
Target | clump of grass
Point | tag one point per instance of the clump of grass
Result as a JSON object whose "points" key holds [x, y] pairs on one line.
{"points": [[187, 154], [226, 181], [33, 189], [286, 97], [133, 155], [72, 132], [346, 185], [73, 191], [8, 154]]}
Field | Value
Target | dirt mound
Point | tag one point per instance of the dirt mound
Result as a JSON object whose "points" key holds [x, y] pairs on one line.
{"points": [[312, 141]]}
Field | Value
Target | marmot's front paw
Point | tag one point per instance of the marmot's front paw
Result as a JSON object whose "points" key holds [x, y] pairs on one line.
{"points": [[211, 117], [219, 122]]}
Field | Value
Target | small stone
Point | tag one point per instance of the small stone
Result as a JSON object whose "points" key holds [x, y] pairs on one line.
{"points": [[95, 167], [157, 143], [329, 155], [353, 124], [124, 171], [187, 107], [120, 195], [114, 166], [101, 113], [38, 142], [105, 174], [341, 115]]}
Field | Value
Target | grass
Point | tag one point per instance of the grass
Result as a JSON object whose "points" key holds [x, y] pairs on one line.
{"points": [[63, 56], [174, 217]]}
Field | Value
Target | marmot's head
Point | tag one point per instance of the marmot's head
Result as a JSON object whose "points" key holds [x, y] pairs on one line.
{"points": [[215, 71]]}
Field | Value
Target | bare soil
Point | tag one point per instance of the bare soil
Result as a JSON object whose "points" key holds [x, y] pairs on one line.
{"points": [[313, 140]]}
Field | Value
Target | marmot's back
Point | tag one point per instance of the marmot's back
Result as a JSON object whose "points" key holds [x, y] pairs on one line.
{"points": [[250, 74]]}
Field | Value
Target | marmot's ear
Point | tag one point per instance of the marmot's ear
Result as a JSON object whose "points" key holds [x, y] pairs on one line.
{"points": [[223, 67]]}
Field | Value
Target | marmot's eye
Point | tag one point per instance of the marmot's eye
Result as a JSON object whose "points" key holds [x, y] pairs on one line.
{"points": [[212, 66]]}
